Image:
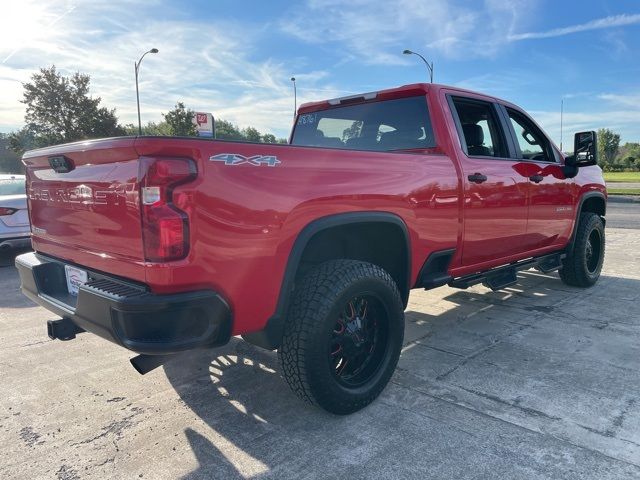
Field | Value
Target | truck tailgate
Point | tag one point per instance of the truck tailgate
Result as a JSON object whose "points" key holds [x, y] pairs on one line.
{"points": [[89, 215]]}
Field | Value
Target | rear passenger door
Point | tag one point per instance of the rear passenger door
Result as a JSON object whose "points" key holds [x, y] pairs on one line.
{"points": [[550, 199], [495, 194]]}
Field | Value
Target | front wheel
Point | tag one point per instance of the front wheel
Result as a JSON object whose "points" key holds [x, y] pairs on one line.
{"points": [[582, 266], [343, 335]]}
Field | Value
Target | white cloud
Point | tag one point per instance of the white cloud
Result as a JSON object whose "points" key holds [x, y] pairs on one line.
{"points": [[211, 65], [502, 84], [11, 110], [629, 101], [206, 65], [600, 23], [624, 122], [27, 23], [376, 32], [614, 45]]}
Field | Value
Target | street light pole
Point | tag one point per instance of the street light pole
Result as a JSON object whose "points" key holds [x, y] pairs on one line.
{"points": [[295, 98], [561, 121], [136, 66], [429, 65]]}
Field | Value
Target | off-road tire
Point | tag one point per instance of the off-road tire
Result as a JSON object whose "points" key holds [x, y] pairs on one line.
{"points": [[583, 264], [318, 301]]}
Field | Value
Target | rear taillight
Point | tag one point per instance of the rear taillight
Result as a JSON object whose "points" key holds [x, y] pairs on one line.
{"points": [[165, 228], [7, 211]]}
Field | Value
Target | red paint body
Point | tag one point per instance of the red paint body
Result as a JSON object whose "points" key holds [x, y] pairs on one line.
{"points": [[244, 218]]}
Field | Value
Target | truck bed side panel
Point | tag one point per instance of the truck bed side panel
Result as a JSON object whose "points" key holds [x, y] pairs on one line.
{"points": [[245, 217]]}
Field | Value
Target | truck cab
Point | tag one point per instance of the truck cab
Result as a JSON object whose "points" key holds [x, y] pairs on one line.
{"points": [[517, 196]]}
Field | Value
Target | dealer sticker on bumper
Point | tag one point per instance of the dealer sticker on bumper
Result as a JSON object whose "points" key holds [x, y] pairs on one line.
{"points": [[75, 278]]}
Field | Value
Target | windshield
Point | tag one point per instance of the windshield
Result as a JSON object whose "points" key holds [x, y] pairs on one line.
{"points": [[13, 186], [379, 126]]}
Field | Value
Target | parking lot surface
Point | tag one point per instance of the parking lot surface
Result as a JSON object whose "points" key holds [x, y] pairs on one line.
{"points": [[537, 381]]}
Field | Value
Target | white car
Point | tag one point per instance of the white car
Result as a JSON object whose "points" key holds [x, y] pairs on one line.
{"points": [[15, 231]]}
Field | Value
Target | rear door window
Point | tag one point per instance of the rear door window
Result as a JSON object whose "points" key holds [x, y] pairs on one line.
{"points": [[387, 125], [479, 128]]}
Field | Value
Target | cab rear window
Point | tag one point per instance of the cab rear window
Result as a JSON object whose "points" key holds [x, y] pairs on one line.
{"points": [[388, 125]]}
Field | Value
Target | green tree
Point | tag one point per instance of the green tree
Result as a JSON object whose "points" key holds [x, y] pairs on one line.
{"points": [[269, 138], [59, 109], [22, 140], [224, 129], [228, 131], [180, 121], [629, 162], [353, 131], [629, 155], [251, 134], [151, 128], [608, 143], [9, 160]]}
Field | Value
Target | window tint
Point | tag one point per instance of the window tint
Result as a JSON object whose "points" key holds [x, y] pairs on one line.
{"points": [[533, 143], [480, 131], [380, 126], [12, 187]]}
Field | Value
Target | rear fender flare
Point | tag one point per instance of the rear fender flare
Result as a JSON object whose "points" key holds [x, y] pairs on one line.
{"points": [[271, 335]]}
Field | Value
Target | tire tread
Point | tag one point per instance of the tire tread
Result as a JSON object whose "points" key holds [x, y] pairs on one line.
{"points": [[573, 272], [309, 305]]}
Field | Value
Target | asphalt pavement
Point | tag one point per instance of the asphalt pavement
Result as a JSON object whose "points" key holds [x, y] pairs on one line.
{"points": [[538, 381], [623, 213]]}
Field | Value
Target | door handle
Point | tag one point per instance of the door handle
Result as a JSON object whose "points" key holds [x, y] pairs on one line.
{"points": [[536, 178], [477, 178]]}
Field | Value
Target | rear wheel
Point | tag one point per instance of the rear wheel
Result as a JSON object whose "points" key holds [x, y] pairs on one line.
{"points": [[343, 335], [582, 266]]}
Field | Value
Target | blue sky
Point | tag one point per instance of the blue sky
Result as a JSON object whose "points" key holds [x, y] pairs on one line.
{"points": [[235, 58]]}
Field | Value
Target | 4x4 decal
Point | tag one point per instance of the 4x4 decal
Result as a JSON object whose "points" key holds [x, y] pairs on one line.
{"points": [[237, 159]]}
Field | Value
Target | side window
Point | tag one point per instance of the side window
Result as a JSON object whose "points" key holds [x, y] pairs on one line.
{"points": [[533, 144], [480, 130]]}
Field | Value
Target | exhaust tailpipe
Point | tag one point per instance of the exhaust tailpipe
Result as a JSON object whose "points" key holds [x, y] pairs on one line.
{"points": [[145, 363]]}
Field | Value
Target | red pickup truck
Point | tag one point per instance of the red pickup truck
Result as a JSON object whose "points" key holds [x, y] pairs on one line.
{"points": [[167, 244]]}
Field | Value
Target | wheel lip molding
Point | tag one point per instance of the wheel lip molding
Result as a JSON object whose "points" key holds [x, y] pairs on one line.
{"points": [[270, 336], [583, 198]]}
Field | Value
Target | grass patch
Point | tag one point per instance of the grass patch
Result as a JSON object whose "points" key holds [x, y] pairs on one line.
{"points": [[623, 191], [622, 177]]}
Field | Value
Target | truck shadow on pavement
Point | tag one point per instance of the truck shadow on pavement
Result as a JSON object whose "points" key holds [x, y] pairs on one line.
{"points": [[12, 297], [8, 257], [246, 403], [258, 428]]}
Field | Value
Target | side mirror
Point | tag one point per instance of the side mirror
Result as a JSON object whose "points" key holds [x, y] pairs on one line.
{"points": [[585, 150]]}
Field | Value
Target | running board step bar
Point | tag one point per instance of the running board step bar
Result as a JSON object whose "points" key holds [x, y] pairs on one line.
{"points": [[502, 277], [551, 264]]}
